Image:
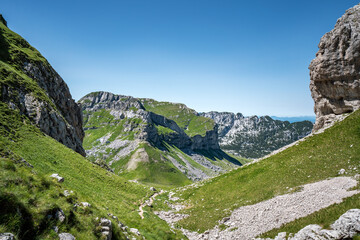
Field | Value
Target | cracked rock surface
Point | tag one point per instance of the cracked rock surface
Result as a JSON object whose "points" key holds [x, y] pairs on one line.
{"points": [[335, 72]]}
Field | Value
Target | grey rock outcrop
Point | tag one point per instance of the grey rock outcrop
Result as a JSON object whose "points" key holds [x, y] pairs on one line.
{"points": [[346, 227], [255, 137], [106, 228], [315, 232], [61, 119], [85, 204], [7, 236], [66, 236], [135, 231], [60, 215], [57, 177], [335, 72]]}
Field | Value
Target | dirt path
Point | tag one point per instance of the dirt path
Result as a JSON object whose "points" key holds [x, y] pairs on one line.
{"points": [[248, 222], [148, 202]]}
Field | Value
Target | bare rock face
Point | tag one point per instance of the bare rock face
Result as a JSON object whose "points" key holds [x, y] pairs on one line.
{"points": [[66, 128], [335, 72]]}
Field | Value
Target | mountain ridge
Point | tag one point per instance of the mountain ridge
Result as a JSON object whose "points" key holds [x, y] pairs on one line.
{"points": [[255, 137], [138, 137]]}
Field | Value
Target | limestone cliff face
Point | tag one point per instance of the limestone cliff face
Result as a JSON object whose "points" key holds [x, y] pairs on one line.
{"points": [[335, 72], [29, 84]]}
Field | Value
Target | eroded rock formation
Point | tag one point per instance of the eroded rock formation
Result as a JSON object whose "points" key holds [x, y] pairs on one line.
{"points": [[335, 72]]}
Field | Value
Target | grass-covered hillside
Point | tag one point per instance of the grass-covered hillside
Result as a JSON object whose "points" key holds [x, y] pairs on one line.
{"points": [[28, 195], [186, 118], [317, 158], [147, 146]]}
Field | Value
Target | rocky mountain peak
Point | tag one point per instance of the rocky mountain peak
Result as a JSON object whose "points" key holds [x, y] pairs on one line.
{"points": [[107, 100], [127, 107], [254, 136], [335, 72]]}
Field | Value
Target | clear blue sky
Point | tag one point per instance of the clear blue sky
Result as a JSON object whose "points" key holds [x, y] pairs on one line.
{"points": [[225, 55]]}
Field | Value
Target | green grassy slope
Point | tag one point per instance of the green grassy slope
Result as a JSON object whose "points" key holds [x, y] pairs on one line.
{"points": [[36, 194], [157, 168], [156, 172], [186, 118], [32, 191], [319, 157]]}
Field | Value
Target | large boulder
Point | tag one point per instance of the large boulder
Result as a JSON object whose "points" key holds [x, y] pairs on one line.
{"points": [[335, 72], [106, 228], [7, 236], [57, 177], [316, 232], [346, 227], [66, 236]]}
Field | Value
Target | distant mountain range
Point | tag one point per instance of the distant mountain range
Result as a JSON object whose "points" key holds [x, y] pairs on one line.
{"points": [[255, 137], [295, 119]]}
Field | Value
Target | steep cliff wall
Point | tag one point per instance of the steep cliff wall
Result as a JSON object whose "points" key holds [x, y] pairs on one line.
{"points": [[335, 72], [28, 83]]}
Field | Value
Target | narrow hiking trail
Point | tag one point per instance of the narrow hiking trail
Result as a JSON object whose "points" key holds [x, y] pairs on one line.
{"points": [[148, 202]]}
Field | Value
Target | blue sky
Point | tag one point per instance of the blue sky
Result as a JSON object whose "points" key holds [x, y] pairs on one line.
{"points": [[226, 55]]}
